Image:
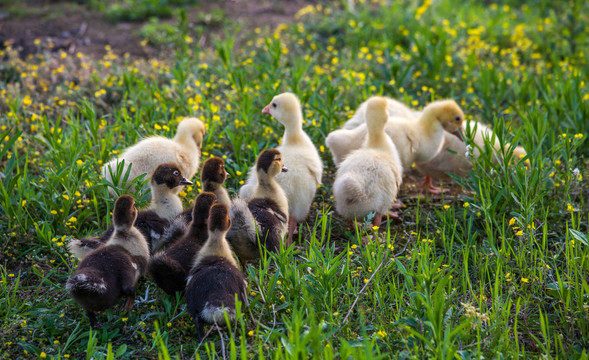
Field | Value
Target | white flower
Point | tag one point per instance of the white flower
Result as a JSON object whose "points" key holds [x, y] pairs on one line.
{"points": [[468, 147], [576, 171]]}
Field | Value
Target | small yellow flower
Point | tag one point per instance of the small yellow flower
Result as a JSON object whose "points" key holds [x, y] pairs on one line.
{"points": [[354, 246], [570, 208], [375, 227], [465, 205], [519, 233], [511, 221], [524, 280], [157, 127], [79, 162], [53, 212], [250, 333], [446, 207], [65, 196], [278, 282], [73, 219], [42, 355], [238, 173], [169, 324], [124, 319], [365, 281], [381, 333], [23, 203]]}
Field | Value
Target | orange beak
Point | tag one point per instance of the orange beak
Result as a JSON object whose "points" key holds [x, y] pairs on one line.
{"points": [[266, 110], [458, 134]]}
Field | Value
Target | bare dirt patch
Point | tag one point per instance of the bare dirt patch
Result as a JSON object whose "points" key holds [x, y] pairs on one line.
{"points": [[74, 27]]}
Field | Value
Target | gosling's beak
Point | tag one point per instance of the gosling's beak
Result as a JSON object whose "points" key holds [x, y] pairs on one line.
{"points": [[284, 168], [266, 109], [185, 181], [227, 176], [458, 134]]}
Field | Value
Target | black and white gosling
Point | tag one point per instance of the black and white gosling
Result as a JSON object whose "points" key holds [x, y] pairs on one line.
{"points": [[111, 271], [214, 279], [264, 214], [152, 222], [170, 268]]}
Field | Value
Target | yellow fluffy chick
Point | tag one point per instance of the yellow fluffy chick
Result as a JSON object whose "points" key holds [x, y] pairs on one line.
{"points": [[369, 178], [299, 155], [183, 150]]}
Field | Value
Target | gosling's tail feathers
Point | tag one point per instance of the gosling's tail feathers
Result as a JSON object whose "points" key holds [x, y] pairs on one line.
{"points": [[242, 220], [350, 189], [82, 247], [214, 314], [88, 281], [175, 231]]}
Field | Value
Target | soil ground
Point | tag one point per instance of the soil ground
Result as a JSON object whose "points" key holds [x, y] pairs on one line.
{"points": [[76, 27]]}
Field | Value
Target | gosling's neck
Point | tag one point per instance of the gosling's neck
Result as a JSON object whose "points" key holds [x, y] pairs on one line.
{"points": [[217, 189], [210, 186], [293, 130], [186, 139], [268, 188], [196, 231], [429, 126], [165, 202], [377, 139], [131, 239], [216, 245]]}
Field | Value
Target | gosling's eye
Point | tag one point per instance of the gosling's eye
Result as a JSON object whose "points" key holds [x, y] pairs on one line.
{"points": [[176, 173], [457, 118], [274, 104]]}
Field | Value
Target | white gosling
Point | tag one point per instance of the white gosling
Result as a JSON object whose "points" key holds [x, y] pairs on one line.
{"points": [[146, 155], [369, 178], [416, 139], [299, 155]]}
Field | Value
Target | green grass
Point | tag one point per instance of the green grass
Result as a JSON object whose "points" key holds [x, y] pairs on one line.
{"points": [[498, 272]]}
